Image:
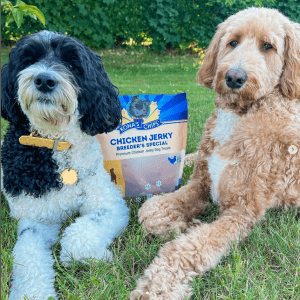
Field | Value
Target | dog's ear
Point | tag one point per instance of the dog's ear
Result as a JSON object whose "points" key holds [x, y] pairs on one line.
{"points": [[290, 79], [98, 103], [208, 69], [10, 109]]}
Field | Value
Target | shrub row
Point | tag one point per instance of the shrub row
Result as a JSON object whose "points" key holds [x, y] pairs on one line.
{"points": [[168, 23]]}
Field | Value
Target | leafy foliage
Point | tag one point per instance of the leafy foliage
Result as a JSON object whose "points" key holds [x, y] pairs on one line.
{"points": [[166, 23], [16, 12]]}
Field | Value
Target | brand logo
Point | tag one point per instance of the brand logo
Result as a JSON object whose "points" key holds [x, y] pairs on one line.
{"points": [[140, 114]]}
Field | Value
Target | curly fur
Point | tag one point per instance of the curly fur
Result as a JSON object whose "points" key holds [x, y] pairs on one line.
{"points": [[97, 93], [33, 171], [79, 102], [244, 159]]}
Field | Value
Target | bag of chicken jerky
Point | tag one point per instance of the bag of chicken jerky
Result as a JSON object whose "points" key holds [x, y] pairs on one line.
{"points": [[145, 154]]}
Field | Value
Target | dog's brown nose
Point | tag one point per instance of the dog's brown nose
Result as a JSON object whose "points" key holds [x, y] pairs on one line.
{"points": [[235, 78], [44, 82]]}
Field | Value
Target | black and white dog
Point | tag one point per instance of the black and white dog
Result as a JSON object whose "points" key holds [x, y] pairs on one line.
{"points": [[56, 90]]}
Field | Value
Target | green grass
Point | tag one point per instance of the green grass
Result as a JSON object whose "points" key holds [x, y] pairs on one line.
{"points": [[265, 266]]}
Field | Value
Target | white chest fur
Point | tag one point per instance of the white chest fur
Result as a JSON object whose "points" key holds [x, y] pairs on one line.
{"points": [[93, 187], [225, 124]]}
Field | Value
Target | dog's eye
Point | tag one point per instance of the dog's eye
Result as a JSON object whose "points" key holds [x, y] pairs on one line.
{"points": [[233, 44], [267, 46], [71, 67]]}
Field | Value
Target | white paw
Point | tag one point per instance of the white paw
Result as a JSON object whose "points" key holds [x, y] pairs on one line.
{"points": [[36, 296], [81, 248], [66, 257], [90, 237]]}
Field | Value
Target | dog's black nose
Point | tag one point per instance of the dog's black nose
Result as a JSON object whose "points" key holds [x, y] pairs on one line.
{"points": [[44, 82], [235, 78]]}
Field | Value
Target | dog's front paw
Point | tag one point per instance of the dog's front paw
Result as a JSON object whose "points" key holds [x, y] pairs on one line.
{"points": [[161, 285], [82, 241], [70, 252], [176, 294], [159, 216]]}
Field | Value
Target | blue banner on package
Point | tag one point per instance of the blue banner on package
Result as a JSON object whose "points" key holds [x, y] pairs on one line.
{"points": [[144, 112]]}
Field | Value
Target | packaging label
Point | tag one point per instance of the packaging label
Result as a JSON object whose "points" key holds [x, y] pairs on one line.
{"points": [[145, 154]]}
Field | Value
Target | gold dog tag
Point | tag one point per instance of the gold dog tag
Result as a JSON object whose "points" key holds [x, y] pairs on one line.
{"points": [[69, 176]]}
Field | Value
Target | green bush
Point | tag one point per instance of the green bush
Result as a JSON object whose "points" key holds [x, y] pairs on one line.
{"points": [[168, 23], [15, 13]]}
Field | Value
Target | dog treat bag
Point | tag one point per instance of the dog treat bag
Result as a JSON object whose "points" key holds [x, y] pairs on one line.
{"points": [[145, 154]]}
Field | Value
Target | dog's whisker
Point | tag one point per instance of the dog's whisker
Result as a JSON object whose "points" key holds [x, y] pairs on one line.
{"points": [[55, 107]]}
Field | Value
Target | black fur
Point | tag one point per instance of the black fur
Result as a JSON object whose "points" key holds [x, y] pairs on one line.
{"points": [[32, 169], [27, 168], [98, 102]]}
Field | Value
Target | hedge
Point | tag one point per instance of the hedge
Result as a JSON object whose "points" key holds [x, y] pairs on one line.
{"points": [[169, 23]]}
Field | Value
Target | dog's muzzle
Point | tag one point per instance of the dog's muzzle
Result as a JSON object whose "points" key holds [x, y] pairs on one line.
{"points": [[236, 78], [45, 82]]}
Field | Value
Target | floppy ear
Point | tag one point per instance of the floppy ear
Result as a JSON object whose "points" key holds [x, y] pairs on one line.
{"points": [[290, 79], [208, 69], [10, 109], [98, 102]]}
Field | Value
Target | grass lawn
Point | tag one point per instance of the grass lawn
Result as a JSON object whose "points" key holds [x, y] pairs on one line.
{"points": [[265, 266]]}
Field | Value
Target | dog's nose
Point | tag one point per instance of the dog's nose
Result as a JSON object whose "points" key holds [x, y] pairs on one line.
{"points": [[235, 78], [44, 82]]}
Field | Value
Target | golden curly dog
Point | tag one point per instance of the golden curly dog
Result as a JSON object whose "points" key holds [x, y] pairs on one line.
{"points": [[249, 156]]}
